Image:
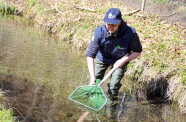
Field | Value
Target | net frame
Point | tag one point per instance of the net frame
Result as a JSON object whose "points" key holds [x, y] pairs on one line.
{"points": [[98, 86], [70, 97]]}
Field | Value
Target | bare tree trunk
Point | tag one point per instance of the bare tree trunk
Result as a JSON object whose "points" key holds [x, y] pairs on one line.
{"points": [[143, 5]]}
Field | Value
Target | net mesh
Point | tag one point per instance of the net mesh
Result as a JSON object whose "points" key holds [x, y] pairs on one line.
{"points": [[91, 96]]}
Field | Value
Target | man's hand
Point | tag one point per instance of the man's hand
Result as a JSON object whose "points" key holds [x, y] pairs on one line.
{"points": [[120, 62], [125, 59], [92, 81]]}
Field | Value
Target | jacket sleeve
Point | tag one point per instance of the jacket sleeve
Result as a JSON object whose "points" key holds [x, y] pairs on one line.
{"points": [[135, 45], [94, 44]]}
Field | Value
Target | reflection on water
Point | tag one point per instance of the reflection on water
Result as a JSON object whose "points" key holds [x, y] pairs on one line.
{"points": [[28, 53], [39, 74]]}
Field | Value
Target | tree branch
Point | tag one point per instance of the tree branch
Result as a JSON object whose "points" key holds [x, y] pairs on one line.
{"points": [[133, 12]]}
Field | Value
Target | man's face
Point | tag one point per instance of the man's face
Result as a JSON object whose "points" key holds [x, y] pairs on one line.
{"points": [[112, 27]]}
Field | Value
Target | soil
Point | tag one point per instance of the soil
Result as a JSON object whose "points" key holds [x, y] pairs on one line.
{"points": [[174, 12], [25, 98]]}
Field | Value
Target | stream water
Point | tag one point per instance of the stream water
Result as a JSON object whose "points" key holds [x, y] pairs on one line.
{"points": [[38, 73]]}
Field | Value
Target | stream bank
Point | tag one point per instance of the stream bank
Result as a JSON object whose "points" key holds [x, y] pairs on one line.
{"points": [[66, 26], [172, 11]]}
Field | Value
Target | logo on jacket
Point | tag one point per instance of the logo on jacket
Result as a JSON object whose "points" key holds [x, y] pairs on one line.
{"points": [[118, 47]]}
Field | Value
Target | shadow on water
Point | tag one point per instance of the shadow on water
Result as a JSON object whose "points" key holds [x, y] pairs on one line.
{"points": [[26, 98], [38, 74]]}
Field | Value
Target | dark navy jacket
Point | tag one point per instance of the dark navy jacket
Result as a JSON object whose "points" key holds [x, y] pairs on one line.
{"points": [[108, 48]]}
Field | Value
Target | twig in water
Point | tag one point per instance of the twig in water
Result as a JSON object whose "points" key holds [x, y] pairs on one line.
{"points": [[121, 106], [20, 114]]}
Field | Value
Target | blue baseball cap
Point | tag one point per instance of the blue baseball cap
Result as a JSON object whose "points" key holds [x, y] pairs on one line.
{"points": [[113, 16]]}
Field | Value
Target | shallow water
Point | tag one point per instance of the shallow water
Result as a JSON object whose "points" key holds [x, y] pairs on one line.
{"points": [[38, 74]]}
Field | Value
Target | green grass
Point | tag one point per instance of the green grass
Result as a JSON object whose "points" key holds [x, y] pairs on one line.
{"points": [[34, 4], [6, 115], [183, 78], [161, 1], [7, 9]]}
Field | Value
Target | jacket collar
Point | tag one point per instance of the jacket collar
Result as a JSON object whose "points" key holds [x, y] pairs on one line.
{"points": [[119, 32]]}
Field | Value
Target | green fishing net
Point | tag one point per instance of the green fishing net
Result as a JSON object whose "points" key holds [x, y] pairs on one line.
{"points": [[91, 96]]}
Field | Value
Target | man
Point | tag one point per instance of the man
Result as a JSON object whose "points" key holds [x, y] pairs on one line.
{"points": [[113, 44]]}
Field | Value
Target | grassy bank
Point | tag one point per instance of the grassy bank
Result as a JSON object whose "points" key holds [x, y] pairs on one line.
{"points": [[6, 115], [74, 21]]}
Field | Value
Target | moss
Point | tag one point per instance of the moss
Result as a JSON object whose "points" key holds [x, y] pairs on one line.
{"points": [[6, 115]]}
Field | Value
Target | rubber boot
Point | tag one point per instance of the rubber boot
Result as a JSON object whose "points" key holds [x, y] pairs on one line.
{"points": [[113, 93]]}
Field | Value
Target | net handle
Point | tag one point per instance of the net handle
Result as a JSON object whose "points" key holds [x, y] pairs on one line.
{"points": [[105, 78]]}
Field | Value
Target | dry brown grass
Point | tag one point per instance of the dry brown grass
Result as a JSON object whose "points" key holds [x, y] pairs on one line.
{"points": [[177, 92], [2, 97]]}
